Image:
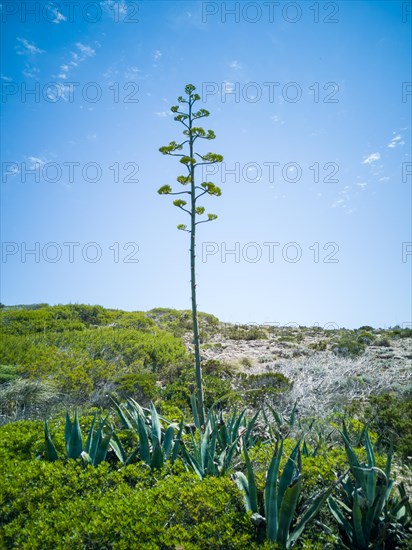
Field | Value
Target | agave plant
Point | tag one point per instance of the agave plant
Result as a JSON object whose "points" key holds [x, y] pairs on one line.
{"points": [[155, 445], [204, 457], [281, 497], [97, 443], [234, 429], [212, 452], [283, 426], [368, 514]]}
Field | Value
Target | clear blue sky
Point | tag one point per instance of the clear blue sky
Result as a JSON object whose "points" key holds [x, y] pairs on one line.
{"points": [[311, 106]]}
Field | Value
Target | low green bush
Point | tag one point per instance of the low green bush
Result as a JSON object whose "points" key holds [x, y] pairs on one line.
{"points": [[245, 332], [348, 345], [319, 346], [383, 342], [141, 386], [258, 389], [8, 373], [61, 505], [391, 416], [22, 440], [179, 380], [365, 337]]}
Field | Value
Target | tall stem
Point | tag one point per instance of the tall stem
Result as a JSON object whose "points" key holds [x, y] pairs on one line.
{"points": [[196, 341]]}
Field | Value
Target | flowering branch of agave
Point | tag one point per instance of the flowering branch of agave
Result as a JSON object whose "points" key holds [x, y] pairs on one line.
{"points": [[193, 133]]}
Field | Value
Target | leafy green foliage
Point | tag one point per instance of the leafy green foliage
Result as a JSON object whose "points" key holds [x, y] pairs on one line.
{"points": [[141, 386], [179, 379], [8, 373], [180, 322], [259, 389], [319, 346], [348, 345], [100, 349], [245, 332], [391, 416], [56, 505]]}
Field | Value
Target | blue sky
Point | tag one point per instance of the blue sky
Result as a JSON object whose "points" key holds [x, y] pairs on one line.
{"points": [[311, 105]]}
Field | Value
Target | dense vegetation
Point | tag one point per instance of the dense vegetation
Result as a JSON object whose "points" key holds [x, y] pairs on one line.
{"points": [[134, 469]]}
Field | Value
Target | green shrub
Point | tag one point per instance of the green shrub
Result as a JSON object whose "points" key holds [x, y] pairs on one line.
{"points": [[348, 346], [8, 373], [22, 440], [400, 332], [60, 505], [365, 337], [179, 322], [383, 341], [391, 416], [319, 346], [246, 362], [257, 389], [365, 328], [141, 386], [178, 390], [80, 363], [245, 332]]}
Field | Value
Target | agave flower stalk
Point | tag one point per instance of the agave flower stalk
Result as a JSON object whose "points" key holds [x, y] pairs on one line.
{"points": [[192, 161]]}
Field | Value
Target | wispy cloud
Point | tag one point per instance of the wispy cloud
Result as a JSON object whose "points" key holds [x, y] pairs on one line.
{"points": [[371, 158], [111, 72], [163, 114], [30, 71], [88, 51], [27, 48], [76, 58], [58, 16], [157, 54], [35, 163], [114, 6], [11, 170], [235, 65], [133, 73], [396, 141], [60, 90], [343, 201], [276, 119], [228, 87]]}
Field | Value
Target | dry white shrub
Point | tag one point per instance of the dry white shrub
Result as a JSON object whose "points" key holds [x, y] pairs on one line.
{"points": [[324, 383]]}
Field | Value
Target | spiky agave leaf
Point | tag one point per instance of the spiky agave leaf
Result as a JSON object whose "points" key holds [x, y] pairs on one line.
{"points": [[271, 497], [251, 480], [75, 445], [287, 510], [51, 452], [144, 449]]}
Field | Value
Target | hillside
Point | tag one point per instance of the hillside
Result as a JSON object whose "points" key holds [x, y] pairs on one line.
{"points": [[295, 410]]}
